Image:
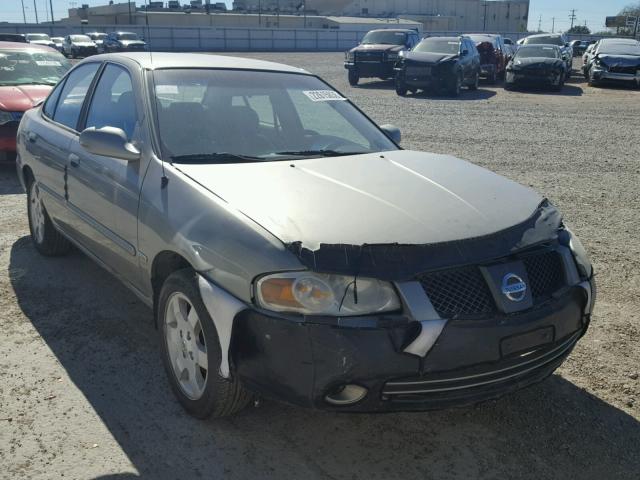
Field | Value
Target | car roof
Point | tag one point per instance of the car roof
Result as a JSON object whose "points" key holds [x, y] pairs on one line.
{"points": [[400, 30], [25, 46], [160, 60], [539, 35]]}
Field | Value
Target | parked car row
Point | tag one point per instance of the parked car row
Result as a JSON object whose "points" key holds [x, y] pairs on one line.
{"points": [[85, 44], [418, 281], [448, 63]]}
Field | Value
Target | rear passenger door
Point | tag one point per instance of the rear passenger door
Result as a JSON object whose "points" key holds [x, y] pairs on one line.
{"points": [[104, 191]]}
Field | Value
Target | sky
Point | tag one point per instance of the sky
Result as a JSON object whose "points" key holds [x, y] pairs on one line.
{"points": [[593, 12]]}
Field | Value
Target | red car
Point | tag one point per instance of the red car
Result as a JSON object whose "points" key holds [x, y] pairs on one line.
{"points": [[28, 72], [493, 55]]}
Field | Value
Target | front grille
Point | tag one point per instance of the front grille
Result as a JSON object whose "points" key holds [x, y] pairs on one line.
{"points": [[627, 70], [464, 291], [546, 273], [459, 291], [370, 56]]}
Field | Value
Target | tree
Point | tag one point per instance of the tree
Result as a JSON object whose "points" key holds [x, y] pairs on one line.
{"points": [[632, 10], [579, 29]]}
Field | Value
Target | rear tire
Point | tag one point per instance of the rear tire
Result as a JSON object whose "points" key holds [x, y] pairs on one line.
{"points": [[46, 238], [354, 78], [493, 78], [189, 344]]}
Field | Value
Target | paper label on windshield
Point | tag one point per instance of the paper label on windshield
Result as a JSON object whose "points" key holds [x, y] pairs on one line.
{"points": [[167, 89], [323, 95], [48, 63]]}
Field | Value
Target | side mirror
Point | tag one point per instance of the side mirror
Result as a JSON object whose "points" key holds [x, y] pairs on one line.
{"points": [[109, 142], [392, 132]]}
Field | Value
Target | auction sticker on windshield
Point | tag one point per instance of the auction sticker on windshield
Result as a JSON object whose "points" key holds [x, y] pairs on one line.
{"points": [[323, 95], [48, 63]]}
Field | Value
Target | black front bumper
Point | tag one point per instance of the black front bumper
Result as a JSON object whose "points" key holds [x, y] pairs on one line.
{"points": [[382, 69], [533, 79], [300, 361], [438, 77]]}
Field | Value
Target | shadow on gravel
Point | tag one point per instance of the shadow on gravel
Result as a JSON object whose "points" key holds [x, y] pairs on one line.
{"points": [[9, 183], [104, 338], [569, 90]]}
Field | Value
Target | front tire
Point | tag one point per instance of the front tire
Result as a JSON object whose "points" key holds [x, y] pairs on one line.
{"points": [[354, 78], [47, 240], [454, 89], [191, 351], [401, 87], [476, 83]]}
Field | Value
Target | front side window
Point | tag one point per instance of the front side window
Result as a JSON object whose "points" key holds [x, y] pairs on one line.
{"points": [[72, 96], [382, 37], [220, 115], [113, 102], [31, 67], [49, 106], [445, 46]]}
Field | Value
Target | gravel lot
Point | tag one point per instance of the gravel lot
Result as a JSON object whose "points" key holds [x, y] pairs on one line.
{"points": [[83, 394]]}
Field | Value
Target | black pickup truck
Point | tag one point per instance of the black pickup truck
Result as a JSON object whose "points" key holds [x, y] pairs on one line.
{"points": [[377, 53]]}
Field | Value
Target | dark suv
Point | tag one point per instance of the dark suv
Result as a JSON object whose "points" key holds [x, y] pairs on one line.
{"points": [[445, 63], [377, 53]]}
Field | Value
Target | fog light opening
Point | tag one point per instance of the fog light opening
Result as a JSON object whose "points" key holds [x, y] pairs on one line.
{"points": [[346, 395]]}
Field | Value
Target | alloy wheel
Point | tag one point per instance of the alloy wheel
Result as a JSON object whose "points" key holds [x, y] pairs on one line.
{"points": [[186, 345], [36, 212]]}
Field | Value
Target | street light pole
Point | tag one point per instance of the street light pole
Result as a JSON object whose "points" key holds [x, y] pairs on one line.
{"points": [[51, 8], [35, 7], [24, 15]]}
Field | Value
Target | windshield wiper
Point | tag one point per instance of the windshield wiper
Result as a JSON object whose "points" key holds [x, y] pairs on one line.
{"points": [[215, 158], [319, 153]]}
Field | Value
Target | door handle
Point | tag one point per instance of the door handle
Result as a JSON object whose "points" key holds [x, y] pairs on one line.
{"points": [[74, 160], [32, 137]]}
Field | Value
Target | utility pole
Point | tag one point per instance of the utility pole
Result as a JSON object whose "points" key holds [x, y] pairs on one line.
{"points": [[484, 26], [35, 7], [129, 5], [51, 8], [260, 12], [540, 24], [24, 15], [553, 25], [573, 17]]}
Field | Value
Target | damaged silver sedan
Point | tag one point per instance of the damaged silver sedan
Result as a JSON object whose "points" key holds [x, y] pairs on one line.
{"points": [[290, 248]]}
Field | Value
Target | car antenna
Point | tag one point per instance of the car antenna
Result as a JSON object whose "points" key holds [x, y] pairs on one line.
{"points": [[164, 180]]}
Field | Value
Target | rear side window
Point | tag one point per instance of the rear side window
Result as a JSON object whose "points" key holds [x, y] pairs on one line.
{"points": [[113, 103], [73, 93], [50, 105]]}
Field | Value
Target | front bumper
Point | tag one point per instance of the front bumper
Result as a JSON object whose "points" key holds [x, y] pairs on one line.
{"points": [[84, 51], [370, 69], [438, 77], [487, 70], [301, 361], [525, 78], [600, 74]]}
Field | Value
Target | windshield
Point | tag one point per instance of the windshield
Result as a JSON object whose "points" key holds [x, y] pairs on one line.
{"points": [[620, 49], [97, 36], [550, 40], [80, 38], [448, 46], [20, 67], [215, 116], [127, 36], [37, 36], [537, 51], [385, 38]]}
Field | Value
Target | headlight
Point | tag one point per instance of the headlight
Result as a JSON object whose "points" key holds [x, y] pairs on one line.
{"points": [[579, 253], [5, 117], [322, 294], [349, 56]]}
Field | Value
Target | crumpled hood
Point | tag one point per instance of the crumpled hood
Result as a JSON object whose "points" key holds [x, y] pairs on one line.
{"points": [[383, 47], [427, 57], [611, 60], [536, 62], [128, 43], [402, 197], [21, 98]]}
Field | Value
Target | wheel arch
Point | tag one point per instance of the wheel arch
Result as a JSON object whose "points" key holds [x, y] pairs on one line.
{"points": [[164, 264]]}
